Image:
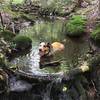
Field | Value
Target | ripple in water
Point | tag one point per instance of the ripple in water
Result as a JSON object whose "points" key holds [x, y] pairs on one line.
{"points": [[30, 62]]}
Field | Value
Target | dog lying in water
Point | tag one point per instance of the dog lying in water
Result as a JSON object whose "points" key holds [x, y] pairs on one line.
{"points": [[47, 49]]}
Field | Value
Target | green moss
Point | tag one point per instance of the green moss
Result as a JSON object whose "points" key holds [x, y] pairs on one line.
{"points": [[96, 34], [22, 42], [7, 35], [75, 26]]}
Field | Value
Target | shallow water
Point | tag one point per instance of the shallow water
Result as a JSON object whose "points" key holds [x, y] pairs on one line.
{"points": [[51, 31]]}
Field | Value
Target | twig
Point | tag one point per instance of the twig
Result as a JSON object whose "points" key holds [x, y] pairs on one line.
{"points": [[94, 86]]}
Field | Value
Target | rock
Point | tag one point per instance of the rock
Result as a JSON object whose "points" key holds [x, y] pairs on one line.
{"points": [[75, 27], [19, 85], [21, 23], [15, 24], [22, 42], [84, 4]]}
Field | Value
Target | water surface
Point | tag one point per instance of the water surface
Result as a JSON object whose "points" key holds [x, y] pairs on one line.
{"points": [[51, 31]]}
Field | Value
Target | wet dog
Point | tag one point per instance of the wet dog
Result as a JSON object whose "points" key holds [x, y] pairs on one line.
{"points": [[47, 49]]}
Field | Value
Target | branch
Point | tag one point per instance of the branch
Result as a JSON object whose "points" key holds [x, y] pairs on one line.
{"points": [[2, 20]]}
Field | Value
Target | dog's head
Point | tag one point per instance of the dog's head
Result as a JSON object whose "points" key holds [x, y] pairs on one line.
{"points": [[44, 49]]}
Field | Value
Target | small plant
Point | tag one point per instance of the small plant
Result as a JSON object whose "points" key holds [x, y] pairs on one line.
{"points": [[22, 42], [75, 26], [95, 35]]}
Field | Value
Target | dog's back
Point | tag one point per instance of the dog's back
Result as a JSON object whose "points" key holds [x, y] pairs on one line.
{"points": [[57, 46]]}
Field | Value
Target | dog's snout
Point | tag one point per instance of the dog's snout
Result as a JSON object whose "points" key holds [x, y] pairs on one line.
{"points": [[40, 49]]}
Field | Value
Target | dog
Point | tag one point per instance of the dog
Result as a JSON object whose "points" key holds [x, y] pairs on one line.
{"points": [[47, 49]]}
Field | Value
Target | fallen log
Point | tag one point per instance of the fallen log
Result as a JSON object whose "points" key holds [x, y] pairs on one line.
{"points": [[50, 64]]}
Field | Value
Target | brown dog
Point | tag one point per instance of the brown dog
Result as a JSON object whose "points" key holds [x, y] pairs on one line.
{"points": [[47, 49]]}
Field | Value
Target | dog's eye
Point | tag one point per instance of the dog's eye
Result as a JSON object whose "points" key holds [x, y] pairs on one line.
{"points": [[46, 51], [44, 46]]}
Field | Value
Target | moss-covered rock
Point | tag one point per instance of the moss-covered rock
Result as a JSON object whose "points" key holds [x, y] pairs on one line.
{"points": [[75, 26], [7, 35], [22, 42], [95, 35]]}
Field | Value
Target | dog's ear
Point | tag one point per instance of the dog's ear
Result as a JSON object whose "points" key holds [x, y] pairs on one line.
{"points": [[48, 44]]}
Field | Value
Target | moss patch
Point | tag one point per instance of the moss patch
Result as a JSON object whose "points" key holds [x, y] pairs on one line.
{"points": [[22, 42], [75, 26]]}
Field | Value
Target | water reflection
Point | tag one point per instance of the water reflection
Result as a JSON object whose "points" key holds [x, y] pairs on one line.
{"points": [[75, 49]]}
